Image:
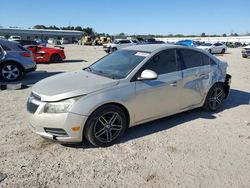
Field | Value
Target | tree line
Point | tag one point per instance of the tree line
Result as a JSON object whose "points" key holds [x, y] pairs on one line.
{"points": [[87, 30], [91, 32]]}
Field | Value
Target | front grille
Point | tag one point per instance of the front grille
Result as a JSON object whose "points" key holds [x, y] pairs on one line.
{"points": [[56, 131], [31, 107]]}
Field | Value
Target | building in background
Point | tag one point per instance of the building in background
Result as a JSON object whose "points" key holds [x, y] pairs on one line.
{"points": [[43, 34]]}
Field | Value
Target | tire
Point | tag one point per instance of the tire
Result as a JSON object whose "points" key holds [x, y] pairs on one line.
{"points": [[55, 58], [106, 126], [113, 49], [214, 98], [210, 51], [10, 71], [223, 51]]}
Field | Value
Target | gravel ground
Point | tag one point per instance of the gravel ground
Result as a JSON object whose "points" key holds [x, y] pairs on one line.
{"points": [[191, 149]]}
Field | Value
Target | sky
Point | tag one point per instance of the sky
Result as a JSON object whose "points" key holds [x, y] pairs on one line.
{"points": [[161, 17]]}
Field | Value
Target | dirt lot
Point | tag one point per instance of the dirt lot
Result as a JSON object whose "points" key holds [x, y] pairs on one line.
{"points": [[191, 149]]}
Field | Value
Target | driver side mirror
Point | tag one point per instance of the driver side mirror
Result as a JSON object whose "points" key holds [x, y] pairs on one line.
{"points": [[148, 75]]}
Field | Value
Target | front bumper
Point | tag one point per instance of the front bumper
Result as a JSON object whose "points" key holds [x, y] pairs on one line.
{"points": [[106, 49], [40, 123]]}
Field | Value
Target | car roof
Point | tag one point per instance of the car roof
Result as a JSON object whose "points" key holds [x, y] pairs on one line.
{"points": [[154, 47], [14, 46]]}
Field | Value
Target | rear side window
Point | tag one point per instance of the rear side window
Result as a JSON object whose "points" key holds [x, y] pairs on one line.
{"points": [[163, 63], [217, 44], [190, 59], [22, 48], [206, 60]]}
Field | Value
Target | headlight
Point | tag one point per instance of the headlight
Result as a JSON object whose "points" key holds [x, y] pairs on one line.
{"points": [[59, 107]]}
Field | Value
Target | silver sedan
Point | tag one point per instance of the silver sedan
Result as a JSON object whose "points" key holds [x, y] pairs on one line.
{"points": [[128, 87]]}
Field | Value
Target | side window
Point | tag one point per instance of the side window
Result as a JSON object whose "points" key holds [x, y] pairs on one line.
{"points": [[212, 62], [217, 44], [163, 63], [205, 59], [190, 59]]}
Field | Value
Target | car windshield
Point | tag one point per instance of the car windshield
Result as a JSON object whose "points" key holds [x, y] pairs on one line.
{"points": [[207, 44], [118, 64]]}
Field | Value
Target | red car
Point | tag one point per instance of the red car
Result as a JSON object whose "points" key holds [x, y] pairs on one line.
{"points": [[46, 55]]}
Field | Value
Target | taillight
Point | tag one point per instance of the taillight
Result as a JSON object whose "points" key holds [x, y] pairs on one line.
{"points": [[26, 54]]}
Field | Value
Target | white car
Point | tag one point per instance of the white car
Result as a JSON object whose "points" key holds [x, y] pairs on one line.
{"points": [[118, 44], [246, 51], [214, 48], [14, 38]]}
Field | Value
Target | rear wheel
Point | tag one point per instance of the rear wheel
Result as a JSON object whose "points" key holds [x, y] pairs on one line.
{"points": [[55, 58], [223, 51], [214, 98], [11, 71], [210, 51], [106, 126]]}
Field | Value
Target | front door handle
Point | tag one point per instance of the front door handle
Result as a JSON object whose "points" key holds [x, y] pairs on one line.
{"points": [[203, 75]]}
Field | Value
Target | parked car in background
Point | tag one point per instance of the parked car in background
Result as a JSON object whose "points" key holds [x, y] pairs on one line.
{"points": [[15, 61], [128, 87], [46, 55], [119, 44], [64, 41], [153, 41], [53, 41], [186, 43], [245, 51], [214, 48], [41, 42], [14, 37]]}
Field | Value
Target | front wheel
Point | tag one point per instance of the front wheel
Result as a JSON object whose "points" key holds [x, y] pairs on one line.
{"points": [[113, 49], [214, 98], [11, 71], [106, 126]]}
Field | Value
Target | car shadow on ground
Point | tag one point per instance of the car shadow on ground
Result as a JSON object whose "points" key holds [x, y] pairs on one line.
{"points": [[236, 98], [31, 78], [64, 62], [74, 61]]}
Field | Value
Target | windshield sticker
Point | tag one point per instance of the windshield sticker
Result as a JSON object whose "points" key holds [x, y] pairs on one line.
{"points": [[143, 54]]}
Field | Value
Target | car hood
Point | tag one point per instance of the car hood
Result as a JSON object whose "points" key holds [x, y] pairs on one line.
{"points": [[72, 84]]}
